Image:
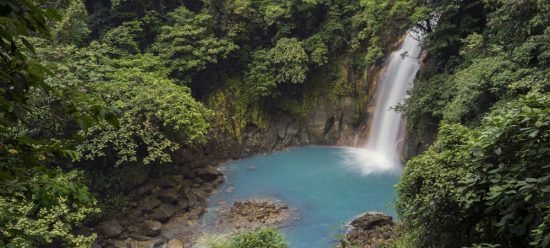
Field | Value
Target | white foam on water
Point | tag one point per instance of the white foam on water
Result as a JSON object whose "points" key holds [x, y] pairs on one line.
{"points": [[382, 152], [369, 162]]}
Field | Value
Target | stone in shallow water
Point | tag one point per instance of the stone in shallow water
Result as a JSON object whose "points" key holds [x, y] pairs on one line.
{"points": [[371, 229], [251, 214], [371, 220], [209, 173]]}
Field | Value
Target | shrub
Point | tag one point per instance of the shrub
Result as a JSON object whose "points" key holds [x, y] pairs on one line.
{"points": [[263, 238]]}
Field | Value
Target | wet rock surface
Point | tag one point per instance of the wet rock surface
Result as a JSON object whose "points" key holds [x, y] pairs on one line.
{"points": [[370, 230], [164, 213], [252, 214]]}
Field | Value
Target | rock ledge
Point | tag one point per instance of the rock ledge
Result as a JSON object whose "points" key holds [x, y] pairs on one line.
{"points": [[370, 230]]}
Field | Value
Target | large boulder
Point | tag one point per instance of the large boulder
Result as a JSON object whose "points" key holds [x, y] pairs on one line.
{"points": [[151, 204], [370, 230], [150, 228], [183, 204], [110, 228], [145, 189], [371, 220], [116, 243], [208, 173], [169, 195], [163, 212], [252, 214], [175, 243], [165, 183]]}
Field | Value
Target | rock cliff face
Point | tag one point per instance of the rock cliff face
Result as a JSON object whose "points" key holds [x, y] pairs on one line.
{"points": [[165, 209], [333, 111]]}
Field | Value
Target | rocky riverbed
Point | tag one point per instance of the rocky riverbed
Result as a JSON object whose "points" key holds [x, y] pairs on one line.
{"points": [[252, 214], [370, 230], [165, 214]]}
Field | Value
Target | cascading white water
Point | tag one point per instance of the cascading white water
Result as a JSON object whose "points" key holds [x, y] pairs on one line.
{"points": [[382, 153]]}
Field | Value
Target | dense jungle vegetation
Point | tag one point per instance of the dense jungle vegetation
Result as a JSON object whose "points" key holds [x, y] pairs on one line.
{"points": [[90, 90], [485, 180]]}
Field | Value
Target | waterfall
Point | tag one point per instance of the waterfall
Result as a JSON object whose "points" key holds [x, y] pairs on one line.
{"points": [[382, 152]]}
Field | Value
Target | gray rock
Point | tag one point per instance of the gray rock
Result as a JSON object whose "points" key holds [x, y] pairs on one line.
{"points": [[183, 204], [150, 228], [281, 130], [175, 243], [96, 244], [209, 173], [116, 243], [370, 230], [369, 221], [198, 180], [169, 195], [165, 183], [147, 188], [151, 204], [110, 228], [124, 235], [139, 237], [159, 244], [163, 212]]}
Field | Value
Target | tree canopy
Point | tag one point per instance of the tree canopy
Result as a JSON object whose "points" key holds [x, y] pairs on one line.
{"points": [[484, 181]]}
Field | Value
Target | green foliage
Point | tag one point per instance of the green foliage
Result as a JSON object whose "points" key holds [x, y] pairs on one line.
{"points": [[124, 38], [378, 15], [484, 182], [263, 238], [188, 45], [57, 205], [73, 27], [261, 77], [290, 59], [285, 63], [273, 13], [483, 185], [479, 67], [40, 203], [317, 49], [20, 21], [156, 117]]}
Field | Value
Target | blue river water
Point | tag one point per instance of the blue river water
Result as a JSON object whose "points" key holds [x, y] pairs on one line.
{"points": [[326, 185]]}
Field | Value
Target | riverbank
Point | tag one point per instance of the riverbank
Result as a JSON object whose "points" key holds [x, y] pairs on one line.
{"points": [[166, 212], [338, 121]]}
